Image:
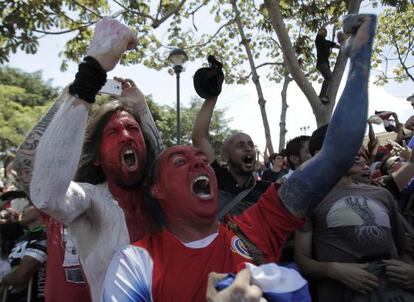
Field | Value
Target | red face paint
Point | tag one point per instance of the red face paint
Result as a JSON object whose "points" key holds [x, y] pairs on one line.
{"points": [[186, 186], [122, 151]]}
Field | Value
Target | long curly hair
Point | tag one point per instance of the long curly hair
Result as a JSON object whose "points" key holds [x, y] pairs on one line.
{"points": [[87, 170]]}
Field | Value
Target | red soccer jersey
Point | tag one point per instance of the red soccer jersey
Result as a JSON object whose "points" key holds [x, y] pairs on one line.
{"points": [[163, 267]]}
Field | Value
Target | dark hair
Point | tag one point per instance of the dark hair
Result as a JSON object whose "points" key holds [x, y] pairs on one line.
{"points": [[317, 138], [87, 170], [294, 146], [273, 156], [380, 156], [386, 164]]}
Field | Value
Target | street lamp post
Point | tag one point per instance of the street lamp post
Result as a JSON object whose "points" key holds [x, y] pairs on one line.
{"points": [[178, 57]]}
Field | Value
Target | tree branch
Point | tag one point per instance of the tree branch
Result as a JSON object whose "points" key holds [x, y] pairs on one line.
{"points": [[265, 64], [213, 36], [63, 31], [402, 62], [138, 13], [158, 22], [88, 9]]}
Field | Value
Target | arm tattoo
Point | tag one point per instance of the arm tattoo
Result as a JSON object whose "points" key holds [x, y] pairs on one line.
{"points": [[25, 156], [310, 183]]}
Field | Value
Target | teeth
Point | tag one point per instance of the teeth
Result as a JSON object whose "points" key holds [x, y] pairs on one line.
{"points": [[202, 177], [127, 152], [204, 195]]}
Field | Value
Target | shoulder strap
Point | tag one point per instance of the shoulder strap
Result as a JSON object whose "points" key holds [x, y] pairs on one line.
{"points": [[255, 252], [236, 200]]}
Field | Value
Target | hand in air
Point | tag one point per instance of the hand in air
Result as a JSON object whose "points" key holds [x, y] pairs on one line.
{"points": [[110, 40]]}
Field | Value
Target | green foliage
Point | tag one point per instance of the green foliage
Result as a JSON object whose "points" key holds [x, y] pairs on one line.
{"points": [[23, 99], [23, 22], [395, 45], [36, 90], [166, 120]]}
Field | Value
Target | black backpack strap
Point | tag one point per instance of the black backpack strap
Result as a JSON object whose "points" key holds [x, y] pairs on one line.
{"points": [[229, 206], [255, 252]]}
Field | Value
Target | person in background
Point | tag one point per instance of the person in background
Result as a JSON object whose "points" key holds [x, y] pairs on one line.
{"points": [[323, 51], [28, 260], [90, 175]]}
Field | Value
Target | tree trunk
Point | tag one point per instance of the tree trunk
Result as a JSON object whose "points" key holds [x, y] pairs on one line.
{"points": [[340, 64], [255, 77], [282, 124], [320, 111]]}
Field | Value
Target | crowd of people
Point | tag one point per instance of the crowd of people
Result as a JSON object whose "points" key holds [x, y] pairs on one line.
{"points": [[104, 212]]}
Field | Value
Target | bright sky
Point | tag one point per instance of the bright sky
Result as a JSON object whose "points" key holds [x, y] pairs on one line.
{"points": [[240, 101]]}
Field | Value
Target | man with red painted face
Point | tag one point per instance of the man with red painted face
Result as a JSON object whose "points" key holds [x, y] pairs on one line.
{"points": [[173, 265], [104, 207]]}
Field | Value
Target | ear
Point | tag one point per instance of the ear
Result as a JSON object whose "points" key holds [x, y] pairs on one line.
{"points": [[225, 157], [157, 192]]}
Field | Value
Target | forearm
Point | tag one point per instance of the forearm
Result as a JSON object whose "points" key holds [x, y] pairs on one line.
{"points": [[371, 134], [200, 134], [202, 123], [58, 153], [25, 156], [15, 279], [302, 192], [403, 175], [148, 126], [311, 268]]}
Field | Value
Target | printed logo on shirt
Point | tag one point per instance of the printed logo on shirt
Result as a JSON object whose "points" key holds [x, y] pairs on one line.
{"points": [[238, 246]]}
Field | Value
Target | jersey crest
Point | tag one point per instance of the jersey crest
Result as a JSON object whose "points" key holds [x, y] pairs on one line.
{"points": [[238, 246]]}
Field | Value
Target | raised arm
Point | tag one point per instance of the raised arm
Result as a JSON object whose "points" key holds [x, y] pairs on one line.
{"points": [[404, 174], [59, 149], [207, 83], [25, 156], [312, 181], [200, 135]]}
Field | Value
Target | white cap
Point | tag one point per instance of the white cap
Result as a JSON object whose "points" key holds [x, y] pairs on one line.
{"points": [[278, 279]]}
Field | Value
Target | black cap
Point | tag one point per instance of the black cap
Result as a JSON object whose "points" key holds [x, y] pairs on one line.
{"points": [[209, 80]]}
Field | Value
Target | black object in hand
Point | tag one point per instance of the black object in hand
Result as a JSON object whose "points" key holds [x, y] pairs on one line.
{"points": [[209, 80]]}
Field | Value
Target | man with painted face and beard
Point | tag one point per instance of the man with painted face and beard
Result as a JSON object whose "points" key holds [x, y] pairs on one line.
{"points": [[173, 264], [104, 208], [238, 187]]}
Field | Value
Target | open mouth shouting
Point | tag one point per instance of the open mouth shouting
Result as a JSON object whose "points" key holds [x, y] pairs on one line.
{"points": [[129, 159], [248, 160], [201, 187]]}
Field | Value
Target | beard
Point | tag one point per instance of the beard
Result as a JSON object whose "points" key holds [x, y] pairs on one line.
{"points": [[124, 179], [239, 168]]}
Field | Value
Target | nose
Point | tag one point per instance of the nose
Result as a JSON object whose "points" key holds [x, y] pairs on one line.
{"points": [[125, 135], [248, 147], [197, 163]]}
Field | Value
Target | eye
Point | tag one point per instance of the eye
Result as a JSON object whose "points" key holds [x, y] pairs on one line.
{"points": [[132, 128], [110, 131], [179, 161]]}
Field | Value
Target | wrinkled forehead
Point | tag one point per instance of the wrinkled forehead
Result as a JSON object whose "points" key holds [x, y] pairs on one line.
{"points": [[164, 157], [121, 115]]}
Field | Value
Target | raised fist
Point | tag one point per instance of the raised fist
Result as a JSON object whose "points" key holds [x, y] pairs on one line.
{"points": [[361, 29], [209, 80], [110, 40]]}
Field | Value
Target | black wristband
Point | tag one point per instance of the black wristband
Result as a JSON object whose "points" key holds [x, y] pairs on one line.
{"points": [[88, 80]]}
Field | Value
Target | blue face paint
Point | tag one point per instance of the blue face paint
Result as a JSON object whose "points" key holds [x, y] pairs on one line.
{"points": [[309, 184]]}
